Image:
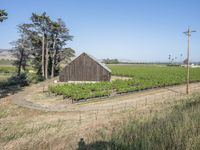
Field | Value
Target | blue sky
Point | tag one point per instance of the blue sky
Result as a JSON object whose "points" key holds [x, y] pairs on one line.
{"points": [[137, 30]]}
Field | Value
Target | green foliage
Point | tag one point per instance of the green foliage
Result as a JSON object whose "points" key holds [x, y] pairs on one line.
{"points": [[3, 15], [6, 62], [34, 78], [142, 77], [82, 91], [56, 35], [13, 83], [10, 82], [42, 44], [21, 80], [22, 51], [155, 75], [7, 69]]}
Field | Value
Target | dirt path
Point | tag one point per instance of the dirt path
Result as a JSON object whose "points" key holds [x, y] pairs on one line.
{"points": [[33, 97], [65, 123]]}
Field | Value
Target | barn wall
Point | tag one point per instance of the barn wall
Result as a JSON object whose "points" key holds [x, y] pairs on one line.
{"points": [[83, 68]]}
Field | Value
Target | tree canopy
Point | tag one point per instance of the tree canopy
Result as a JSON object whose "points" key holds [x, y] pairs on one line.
{"points": [[43, 43], [3, 15]]}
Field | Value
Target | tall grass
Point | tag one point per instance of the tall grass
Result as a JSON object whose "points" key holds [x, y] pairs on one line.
{"points": [[177, 129]]}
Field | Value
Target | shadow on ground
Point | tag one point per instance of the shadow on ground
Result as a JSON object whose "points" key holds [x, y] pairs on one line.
{"points": [[13, 85], [99, 145]]}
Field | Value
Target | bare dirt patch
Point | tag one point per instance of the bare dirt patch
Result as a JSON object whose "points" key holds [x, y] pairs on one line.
{"points": [[113, 78]]}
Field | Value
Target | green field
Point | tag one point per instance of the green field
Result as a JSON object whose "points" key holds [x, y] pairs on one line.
{"points": [[141, 77], [6, 71], [6, 62], [157, 74]]}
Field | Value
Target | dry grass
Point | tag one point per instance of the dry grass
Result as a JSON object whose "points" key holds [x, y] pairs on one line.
{"points": [[22, 128], [172, 128]]}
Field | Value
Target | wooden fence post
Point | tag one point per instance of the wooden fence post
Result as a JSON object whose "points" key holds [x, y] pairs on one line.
{"points": [[146, 101], [136, 104], [125, 107], [112, 109], [80, 117], [96, 114]]}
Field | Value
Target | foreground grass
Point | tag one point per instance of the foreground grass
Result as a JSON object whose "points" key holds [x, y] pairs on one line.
{"points": [[174, 128], [177, 128], [22, 128]]}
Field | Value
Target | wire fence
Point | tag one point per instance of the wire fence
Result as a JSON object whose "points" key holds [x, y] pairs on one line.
{"points": [[145, 105]]}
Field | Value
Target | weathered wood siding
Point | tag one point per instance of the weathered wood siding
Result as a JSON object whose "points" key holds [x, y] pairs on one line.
{"points": [[84, 68]]}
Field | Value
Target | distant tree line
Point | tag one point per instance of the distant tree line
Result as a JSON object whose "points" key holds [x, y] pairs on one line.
{"points": [[42, 43], [110, 61]]}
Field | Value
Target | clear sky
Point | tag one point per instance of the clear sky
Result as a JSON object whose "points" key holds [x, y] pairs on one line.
{"points": [[138, 30]]}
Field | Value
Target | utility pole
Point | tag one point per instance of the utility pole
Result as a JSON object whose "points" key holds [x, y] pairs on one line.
{"points": [[188, 33]]}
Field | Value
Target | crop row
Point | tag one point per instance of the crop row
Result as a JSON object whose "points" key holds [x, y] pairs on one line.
{"points": [[143, 77]]}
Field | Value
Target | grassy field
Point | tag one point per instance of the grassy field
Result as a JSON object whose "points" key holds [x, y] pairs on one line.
{"points": [[7, 70], [174, 128], [157, 73], [6, 62], [141, 77]]}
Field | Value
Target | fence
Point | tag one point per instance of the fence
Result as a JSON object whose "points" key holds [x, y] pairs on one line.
{"points": [[142, 106]]}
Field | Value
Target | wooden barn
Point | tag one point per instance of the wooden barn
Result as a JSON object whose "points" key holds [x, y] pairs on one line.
{"points": [[85, 68]]}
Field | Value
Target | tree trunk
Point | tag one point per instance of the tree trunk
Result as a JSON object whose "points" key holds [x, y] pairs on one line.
{"points": [[47, 60], [43, 70], [19, 69], [20, 63], [53, 58]]}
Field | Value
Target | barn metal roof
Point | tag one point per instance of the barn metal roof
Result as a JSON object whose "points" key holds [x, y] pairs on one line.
{"points": [[96, 60], [101, 64]]}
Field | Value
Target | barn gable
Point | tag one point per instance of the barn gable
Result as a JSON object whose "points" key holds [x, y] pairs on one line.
{"points": [[85, 68], [101, 64]]}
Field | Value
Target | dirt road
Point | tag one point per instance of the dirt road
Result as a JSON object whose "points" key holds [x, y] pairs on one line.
{"points": [[34, 98]]}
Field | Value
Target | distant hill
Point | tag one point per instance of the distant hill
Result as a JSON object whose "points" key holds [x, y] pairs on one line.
{"points": [[6, 54]]}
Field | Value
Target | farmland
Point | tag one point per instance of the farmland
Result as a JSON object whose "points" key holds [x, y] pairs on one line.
{"points": [[61, 125], [141, 77], [6, 71]]}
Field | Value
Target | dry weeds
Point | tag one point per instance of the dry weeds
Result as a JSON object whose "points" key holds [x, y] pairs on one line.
{"points": [[23, 128]]}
